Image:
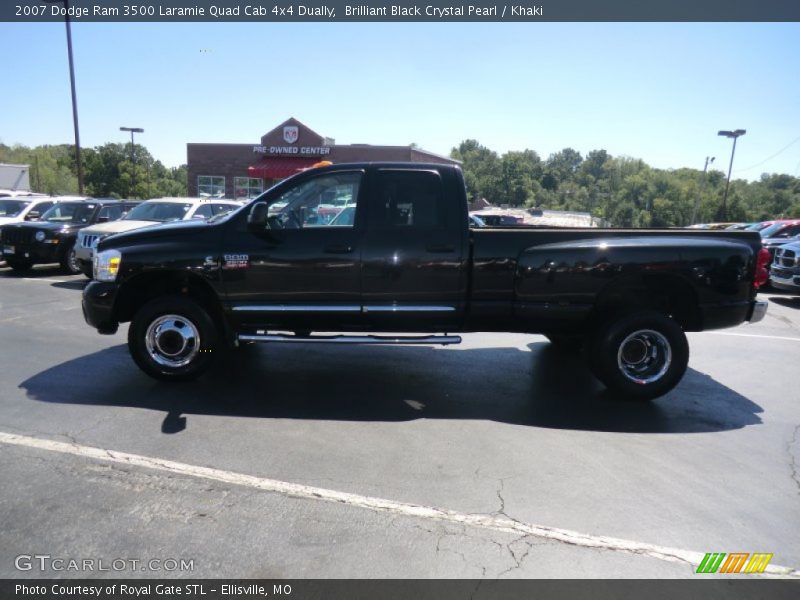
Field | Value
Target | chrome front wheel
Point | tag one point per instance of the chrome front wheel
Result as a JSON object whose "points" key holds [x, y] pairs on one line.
{"points": [[173, 338], [172, 341]]}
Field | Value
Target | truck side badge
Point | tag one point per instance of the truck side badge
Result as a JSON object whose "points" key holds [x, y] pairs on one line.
{"points": [[235, 261]]}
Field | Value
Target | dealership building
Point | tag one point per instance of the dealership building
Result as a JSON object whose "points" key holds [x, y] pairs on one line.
{"points": [[245, 170]]}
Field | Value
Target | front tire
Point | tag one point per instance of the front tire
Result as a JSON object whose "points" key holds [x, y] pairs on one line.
{"points": [[69, 262], [173, 339], [639, 356]]}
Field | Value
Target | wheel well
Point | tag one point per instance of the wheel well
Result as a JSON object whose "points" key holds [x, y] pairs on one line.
{"points": [[141, 289], [670, 294]]}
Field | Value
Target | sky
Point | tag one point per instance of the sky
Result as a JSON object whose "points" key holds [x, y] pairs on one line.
{"points": [[659, 92]]}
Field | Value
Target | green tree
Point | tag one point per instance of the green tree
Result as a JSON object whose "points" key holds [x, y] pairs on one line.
{"points": [[482, 170]]}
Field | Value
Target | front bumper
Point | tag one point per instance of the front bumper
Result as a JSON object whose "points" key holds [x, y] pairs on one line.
{"points": [[98, 306], [785, 279], [82, 253], [36, 253]]}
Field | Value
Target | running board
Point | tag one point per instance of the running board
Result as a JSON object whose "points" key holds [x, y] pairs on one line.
{"points": [[443, 340]]}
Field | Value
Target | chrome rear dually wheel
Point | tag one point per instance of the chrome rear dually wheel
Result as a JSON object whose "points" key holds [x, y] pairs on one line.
{"points": [[639, 355]]}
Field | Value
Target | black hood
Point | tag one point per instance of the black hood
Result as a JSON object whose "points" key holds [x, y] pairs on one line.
{"points": [[173, 229], [50, 226]]}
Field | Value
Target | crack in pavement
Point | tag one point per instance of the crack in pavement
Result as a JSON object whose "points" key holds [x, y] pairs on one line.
{"points": [[495, 522]]}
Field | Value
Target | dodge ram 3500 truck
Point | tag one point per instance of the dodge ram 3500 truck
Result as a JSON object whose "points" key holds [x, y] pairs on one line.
{"points": [[400, 257]]}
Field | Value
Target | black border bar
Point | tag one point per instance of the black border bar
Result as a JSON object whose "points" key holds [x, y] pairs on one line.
{"points": [[701, 588], [252, 11]]}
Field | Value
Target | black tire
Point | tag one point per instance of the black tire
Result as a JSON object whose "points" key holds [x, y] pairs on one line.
{"points": [[69, 262], [565, 342], [19, 265], [187, 343], [657, 354]]}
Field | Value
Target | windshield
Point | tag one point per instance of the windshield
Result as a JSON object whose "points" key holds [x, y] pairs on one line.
{"points": [[69, 212], [755, 227], [772, 230], [11, 208], [158, 211]]}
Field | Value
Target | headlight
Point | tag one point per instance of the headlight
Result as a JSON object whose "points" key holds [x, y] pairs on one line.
{"points": [[106, 265], [40, 235]]}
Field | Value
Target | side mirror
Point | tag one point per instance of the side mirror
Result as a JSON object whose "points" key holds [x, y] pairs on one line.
{"points": [[33, 215], [102, 219], [257, 218]]}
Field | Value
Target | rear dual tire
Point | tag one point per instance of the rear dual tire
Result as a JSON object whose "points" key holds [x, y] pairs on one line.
{"points": [[639, 356]]}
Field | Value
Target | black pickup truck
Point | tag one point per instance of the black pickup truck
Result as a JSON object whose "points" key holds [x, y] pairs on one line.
{"points": [[386, 247]]}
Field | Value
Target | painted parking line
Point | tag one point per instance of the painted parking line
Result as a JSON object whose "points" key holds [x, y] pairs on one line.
{"points": [[485, 521], [45, 279], [753, 335]]}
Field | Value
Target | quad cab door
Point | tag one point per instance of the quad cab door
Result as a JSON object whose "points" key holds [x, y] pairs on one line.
{"points": [[301, 271], [414, 252]]}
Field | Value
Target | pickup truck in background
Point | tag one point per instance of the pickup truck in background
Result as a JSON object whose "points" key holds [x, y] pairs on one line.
{"points": [[405, 261]]}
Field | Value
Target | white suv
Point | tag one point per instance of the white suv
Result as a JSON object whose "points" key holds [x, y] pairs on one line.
{"points": [[148, 214], [17, 207]]}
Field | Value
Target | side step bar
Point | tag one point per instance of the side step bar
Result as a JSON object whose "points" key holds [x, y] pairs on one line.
{"points": [[443, 340]]}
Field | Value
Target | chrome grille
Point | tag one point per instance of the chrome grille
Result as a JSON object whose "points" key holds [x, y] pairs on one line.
{"points": [[788, 258], [88, 241], [784, 257]]}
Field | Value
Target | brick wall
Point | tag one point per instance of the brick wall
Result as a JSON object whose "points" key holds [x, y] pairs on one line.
{"points": [[232, 160]]}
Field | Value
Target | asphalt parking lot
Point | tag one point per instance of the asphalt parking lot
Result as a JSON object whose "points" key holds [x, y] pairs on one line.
{"points": [[496, 458]]}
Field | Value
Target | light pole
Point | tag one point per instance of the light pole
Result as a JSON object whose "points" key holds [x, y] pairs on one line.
{"points": [[729, 134], [74, 96], [709, 160], [133, 158]]}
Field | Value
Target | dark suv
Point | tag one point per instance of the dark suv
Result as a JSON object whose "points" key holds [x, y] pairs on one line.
{"points": [[52, 238]]}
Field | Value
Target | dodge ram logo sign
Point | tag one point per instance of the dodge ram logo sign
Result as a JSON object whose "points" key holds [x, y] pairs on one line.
{"points": [[290, 134]]}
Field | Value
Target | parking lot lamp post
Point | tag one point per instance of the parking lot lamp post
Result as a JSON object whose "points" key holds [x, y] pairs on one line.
{"points": [[133, 155], [709, 160], [729, 134], [74, 96]]}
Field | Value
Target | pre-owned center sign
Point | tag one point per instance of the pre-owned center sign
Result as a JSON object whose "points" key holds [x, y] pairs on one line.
{"points": [[294, 150]]}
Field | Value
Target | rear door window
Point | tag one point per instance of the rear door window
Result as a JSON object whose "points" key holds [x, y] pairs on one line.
{"points": [[409, 199]]}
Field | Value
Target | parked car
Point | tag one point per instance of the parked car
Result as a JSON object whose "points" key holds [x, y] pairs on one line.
{"points": [[760, 225], [476, 221], [409, 264], [739, 226], [785, 272], [147, 213], [498, 219], [52, 238], [712, 226], [16, 209], [783, 229]]}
